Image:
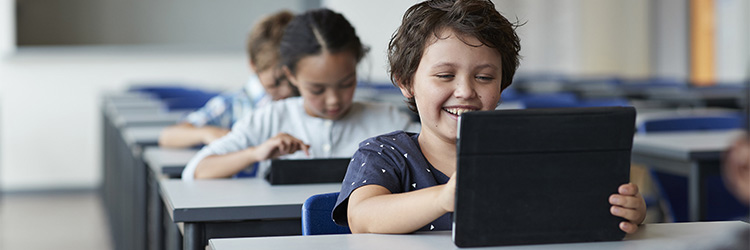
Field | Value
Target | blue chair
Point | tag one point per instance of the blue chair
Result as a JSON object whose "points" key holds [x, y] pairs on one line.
{"points": [[602, 102], [248, 172], [712, 122], [549, 100], [190, 100], [316, 215], [673, 188], [177, 97], [162, 91]]}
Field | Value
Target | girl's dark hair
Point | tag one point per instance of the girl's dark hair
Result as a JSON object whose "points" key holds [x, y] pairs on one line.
{"points": [[315, 31], [473, 18]]}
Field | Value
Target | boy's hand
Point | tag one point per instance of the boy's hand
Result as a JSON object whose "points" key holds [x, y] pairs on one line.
{"points": [[628, 204], [211, 134], [447, 196], [281, 144]]}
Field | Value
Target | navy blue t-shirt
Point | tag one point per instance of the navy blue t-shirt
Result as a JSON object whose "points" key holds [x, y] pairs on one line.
{"points": [[393, 161]]}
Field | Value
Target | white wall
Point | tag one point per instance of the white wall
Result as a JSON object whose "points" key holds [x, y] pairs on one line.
{"points": [[6, 27], [670, 39], [51, 107], [375, 22], [731, 47]]}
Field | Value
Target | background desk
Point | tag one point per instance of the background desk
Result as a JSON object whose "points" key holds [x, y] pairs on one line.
{"points": [[148, 119], [163, 163], [692, 154], [124, 180], [167, 161], [236, 208], [653, 236]]}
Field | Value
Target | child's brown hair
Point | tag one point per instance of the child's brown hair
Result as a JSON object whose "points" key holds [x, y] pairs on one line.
{"points": [[265, 38], [476, 18]]}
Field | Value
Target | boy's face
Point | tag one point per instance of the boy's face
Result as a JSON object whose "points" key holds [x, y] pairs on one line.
{"points": [[453, 78], [275, 83], [327, 83]]}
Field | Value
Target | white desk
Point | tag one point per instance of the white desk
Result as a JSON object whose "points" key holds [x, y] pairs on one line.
{"points": [[695, 155], [162, 163], [236, 207], [653, 236], [147, 119], [168, 161], [142, 136]]}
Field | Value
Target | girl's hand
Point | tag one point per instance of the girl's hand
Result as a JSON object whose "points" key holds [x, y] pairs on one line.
{"points": [[447, 196], [628, 204], [281, 144]]}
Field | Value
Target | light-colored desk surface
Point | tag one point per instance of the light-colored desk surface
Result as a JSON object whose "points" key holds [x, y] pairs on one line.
{"points": [[167, 160], [653, 236], [236, 199], [685, 145], [146, 119], [147, 135]]}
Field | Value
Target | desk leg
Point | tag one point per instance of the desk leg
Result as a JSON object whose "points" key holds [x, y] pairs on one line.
{"points": [[193, 237], [155, 220], [697, 193], [173, 236]]}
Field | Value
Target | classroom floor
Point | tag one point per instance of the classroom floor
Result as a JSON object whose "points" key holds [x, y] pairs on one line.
{"points": [[58, 220]]}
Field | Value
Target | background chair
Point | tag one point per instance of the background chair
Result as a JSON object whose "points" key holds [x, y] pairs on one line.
{"points": [[548, 100], [673, 188], [177, 97], [316, 215]]}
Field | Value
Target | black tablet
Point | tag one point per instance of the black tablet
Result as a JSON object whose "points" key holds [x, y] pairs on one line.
{"points": [[307, 171], [539, 176]]}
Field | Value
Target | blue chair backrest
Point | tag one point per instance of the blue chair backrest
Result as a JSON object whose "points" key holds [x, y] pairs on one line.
{"points": [[549, 100], [603, 102], [316, 215], [177, 97], [190, 100], [674, 188], [688, 123], [248, 172]]}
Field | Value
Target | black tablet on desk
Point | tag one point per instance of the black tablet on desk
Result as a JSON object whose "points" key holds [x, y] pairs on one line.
{"points": [[307, 171], [538, 176]]}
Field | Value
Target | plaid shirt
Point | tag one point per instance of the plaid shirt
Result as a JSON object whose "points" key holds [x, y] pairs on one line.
{"points": [[225, 109]]}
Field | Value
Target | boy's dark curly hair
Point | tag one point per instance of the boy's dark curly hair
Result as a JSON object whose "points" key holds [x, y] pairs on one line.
{"points": [[467, 18]]}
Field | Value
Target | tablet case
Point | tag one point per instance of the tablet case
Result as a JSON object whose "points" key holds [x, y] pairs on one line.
{"points": [[538, 176], [307, 171]]}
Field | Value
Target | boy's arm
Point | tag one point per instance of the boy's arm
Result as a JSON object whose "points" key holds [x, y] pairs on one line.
{"points": [[186, 135], [226, 165], [373, 209]]}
